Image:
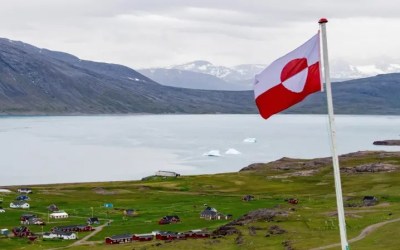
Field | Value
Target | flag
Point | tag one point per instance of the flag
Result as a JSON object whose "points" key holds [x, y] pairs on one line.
{"points": [[289, 79]]}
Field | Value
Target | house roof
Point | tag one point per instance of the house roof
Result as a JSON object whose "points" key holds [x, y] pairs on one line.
{"points": [[19, 203], [121, 236], [170, 217], [63, 233], [93, 219]]}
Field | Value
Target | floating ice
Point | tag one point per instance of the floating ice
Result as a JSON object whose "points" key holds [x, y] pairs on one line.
{"points": [[212, 153], [232, 151]]}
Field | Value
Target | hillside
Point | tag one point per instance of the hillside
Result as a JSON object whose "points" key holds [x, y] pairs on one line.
{"points": [[268, 221], [40, 81]]}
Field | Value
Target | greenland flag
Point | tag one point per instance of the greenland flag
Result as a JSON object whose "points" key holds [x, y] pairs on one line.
{"points": [[289, 79]]}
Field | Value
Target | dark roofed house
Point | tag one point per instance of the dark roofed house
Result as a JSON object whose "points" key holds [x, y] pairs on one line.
{"points": [[93, 220], [211, 213], [169, 236], [73, 228], [119, 239], [169, 219], [130, 212], [370, 200], [22, 198], [52, 208], [142, 237], [248, 198], [22, 231]]}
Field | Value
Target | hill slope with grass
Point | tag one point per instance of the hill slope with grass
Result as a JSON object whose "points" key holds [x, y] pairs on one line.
{"points": [[268, 221]]}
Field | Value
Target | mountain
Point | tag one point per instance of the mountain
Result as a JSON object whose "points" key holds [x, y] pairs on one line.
{"points": [[205, 75], [40, 81], [189, 79]]}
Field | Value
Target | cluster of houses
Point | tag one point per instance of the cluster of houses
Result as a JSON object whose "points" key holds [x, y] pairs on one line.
{"points": [[159, 235]]}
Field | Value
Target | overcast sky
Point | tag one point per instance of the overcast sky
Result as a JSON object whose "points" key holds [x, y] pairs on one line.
{"points": [[152, 33]]}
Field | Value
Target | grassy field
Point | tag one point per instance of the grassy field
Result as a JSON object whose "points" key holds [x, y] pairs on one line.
{"points": [[311, 223]]}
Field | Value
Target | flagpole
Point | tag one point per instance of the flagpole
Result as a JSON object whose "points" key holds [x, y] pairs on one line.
{"points": [[336, 170]]}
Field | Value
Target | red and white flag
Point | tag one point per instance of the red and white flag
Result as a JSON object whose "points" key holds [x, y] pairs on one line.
{"points": [[289, 79]]}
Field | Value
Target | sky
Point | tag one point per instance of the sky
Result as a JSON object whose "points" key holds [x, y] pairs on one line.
{"points": [[160, 33]]}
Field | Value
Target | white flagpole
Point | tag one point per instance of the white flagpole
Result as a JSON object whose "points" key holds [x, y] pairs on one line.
{"points": [[335, 160]]}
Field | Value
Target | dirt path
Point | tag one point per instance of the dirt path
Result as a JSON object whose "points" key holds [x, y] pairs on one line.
{"points": [[84, 241], [362, 235]]}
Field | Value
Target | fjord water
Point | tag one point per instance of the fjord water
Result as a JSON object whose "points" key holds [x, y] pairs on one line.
{"points": [[59, 149]]}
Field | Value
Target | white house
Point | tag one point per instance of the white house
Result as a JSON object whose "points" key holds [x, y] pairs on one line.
{"points": [[166, 173], [60, 235], [58, 215], [19, 204], [25, 190]]}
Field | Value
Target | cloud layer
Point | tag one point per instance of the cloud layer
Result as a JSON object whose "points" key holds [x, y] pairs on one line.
{"points": [[149, 33]]}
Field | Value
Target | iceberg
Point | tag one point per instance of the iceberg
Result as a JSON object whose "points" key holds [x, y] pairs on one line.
{"points": [[212, 153], [232, 151], [250, 140]]}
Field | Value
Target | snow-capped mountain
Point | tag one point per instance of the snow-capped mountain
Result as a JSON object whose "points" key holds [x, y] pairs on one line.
{"points": [[205, 75]]}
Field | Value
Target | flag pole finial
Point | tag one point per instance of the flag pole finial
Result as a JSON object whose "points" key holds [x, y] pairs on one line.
{"points": [[323, 20]]}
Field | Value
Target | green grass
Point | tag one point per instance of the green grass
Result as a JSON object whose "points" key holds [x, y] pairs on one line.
{"points": [[311, 224]]}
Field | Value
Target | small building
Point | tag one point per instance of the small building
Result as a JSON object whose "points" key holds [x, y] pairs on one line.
{"points": [[73, 228], [248, 198], [143, 237], [196, 234], [169, 219], [60, 235], [22, 198], [19, 204], [93, 220], [53, 208], [25, 217], [58, 215], [108, 205], [119, 239], [293, 201], [370, 200], [130, 212], [21, 231], [33, 221], [166, 174], [4, 232], [211, 213], [169, 235], [25, 190]]}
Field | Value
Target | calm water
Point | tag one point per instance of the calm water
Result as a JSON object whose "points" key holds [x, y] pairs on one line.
{"points": [[101, 148]]}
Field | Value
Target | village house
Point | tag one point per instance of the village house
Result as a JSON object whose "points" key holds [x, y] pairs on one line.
{"points": [[22, 198], [58, 215], [370, 200], [166, 174], [60, 235], [196, 234], [19, 204], [248, 198], [143, 237], [73, 228], [53, 208], [169, 219], [33, 221], [21, 231], [93, 220], [211, 213], [25, 190], [169, 235], [130, 212], [119, 239]]}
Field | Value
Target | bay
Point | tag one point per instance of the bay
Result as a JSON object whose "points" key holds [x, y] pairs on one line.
{"points": [[60, 149]]}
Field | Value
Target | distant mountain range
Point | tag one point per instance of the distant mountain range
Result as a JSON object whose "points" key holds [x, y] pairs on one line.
{"points": [[40, 81], [205, 75]]}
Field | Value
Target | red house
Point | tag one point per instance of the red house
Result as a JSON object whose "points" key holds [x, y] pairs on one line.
{"points": [[22, 232], [143, 237], [195, 234], [119, 239], [169, 236], [169, 219]]}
